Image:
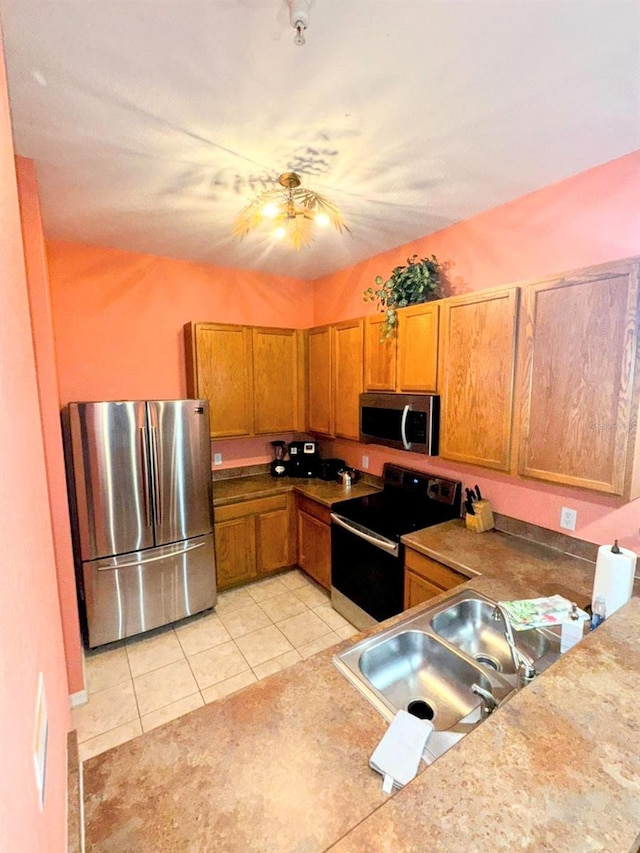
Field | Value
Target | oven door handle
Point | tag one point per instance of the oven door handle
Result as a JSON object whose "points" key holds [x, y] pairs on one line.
{"points": [[403, 427], [369, 536]]}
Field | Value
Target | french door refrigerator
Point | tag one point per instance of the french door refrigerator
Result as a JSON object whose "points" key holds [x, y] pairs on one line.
{"points": [[142, 516]]}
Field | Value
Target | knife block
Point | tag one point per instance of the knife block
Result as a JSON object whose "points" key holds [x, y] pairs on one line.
{"points": [[482, 520]]}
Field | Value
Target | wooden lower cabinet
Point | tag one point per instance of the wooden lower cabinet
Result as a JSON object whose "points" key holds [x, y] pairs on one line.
{"points": [[425, 578], [314, 540], [253, 538]]}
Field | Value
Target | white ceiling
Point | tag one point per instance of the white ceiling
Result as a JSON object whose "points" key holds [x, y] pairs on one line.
{"points": [[153, 121]]}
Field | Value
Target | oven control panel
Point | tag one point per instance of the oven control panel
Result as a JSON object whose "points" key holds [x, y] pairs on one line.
{"points": [[422, 484], [444, 491]]}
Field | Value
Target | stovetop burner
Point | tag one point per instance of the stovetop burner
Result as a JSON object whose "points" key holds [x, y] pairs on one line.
{"points": [[409, 500]]}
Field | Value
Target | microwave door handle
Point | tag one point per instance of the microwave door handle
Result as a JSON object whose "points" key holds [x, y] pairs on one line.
{"points": [[403, 427]]}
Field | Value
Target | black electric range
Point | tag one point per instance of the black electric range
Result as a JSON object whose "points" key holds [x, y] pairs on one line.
{"points": [[367, 557]]}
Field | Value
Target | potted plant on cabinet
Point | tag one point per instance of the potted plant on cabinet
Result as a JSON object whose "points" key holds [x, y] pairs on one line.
{"points": [[418, 281]]}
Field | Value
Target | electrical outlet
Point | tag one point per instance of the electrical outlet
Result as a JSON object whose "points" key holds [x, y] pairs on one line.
{"points": [[217, 458], [568, 518], [365, 462]]}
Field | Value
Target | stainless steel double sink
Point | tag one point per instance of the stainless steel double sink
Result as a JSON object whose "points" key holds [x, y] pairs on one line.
{"points": [[427, 665]]}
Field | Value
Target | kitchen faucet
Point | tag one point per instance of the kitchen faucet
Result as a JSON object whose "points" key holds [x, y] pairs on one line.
{"points": [[523, 665], [489, 703]]}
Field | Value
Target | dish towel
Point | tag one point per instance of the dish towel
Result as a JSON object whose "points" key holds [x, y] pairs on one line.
{"points": [[540, 612], [397, 756]]}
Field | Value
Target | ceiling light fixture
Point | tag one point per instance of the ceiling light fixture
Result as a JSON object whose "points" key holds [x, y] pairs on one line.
{"points": [[293, 210], [299, 16]]}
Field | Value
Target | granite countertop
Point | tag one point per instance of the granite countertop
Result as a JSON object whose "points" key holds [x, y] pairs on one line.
{"points": [[326, 492], [282, 765]]}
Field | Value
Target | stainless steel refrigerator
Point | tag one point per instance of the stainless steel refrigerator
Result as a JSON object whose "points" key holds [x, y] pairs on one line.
{"points": [[142, 515]]}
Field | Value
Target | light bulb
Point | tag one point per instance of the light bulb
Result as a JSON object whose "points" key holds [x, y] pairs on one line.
{"points": [[270, 210], [322, 219]]}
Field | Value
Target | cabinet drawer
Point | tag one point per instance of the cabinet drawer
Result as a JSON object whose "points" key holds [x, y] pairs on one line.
{"points": [[432, 571], [242, 508], [315, 509]]}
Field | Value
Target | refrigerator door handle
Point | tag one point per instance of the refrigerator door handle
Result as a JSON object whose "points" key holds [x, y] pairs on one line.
{"points": [[157, 503], [145, 476], [111, 567]]}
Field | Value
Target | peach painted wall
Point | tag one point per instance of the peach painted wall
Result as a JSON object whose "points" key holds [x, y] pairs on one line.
{"points": [[118, 317], [44, 348], [587, 219], [30, 629]]}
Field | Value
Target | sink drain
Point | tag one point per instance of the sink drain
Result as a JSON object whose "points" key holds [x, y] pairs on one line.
{"points": [[488, 661], [421, 709]]}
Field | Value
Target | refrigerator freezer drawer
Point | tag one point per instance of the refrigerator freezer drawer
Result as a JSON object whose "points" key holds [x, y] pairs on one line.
{"points": [[136, 592]]}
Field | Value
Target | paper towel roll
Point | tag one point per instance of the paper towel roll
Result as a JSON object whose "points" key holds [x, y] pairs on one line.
{"points": [[613, 579]]}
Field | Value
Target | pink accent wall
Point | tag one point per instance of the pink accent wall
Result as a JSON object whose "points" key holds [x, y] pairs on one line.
{"points": [[601, 519], [44, 348], [118, 317], [587, 219], [237, 452], [30, 630]]}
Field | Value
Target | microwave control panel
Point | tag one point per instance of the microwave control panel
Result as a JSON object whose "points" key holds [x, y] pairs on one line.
{"points": [[417, 427]]}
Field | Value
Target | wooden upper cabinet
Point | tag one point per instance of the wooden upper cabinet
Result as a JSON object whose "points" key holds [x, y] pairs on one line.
{"points": [[408, 361], [580, 372], [477, 365], [347, 377], [379, 356], [220, 369], [418, 348], [319, 382], [276, 380]]}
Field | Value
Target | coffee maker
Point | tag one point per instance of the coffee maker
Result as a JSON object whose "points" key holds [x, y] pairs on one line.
{"points": [[303, 459], [278, 467]]}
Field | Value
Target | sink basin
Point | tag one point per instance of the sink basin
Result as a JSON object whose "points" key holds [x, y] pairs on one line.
{"points": [[415, 671], [427, 664], [469, 625]]}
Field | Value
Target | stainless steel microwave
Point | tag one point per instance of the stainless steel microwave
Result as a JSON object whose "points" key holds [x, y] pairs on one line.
{"points": [[405, 421]]}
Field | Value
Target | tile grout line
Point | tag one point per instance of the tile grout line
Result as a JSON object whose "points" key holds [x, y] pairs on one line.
{"points": [[133, 685], [204, 702]]}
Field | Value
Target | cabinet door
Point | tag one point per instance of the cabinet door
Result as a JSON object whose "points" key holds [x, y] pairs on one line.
{"points": [[418, 348], [347, 377], [275, 548], [379, 356], [477, 358], [314, 548], [580, 352], [319, 370], [235, 551], [417, 590], [275, 380], [219, 368]]}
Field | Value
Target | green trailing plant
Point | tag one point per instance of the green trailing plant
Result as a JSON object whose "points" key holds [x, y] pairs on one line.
{"points": [[418, 281]]}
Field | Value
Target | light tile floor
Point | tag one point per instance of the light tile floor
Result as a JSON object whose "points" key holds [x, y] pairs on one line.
{"points": [[255, 630]]}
